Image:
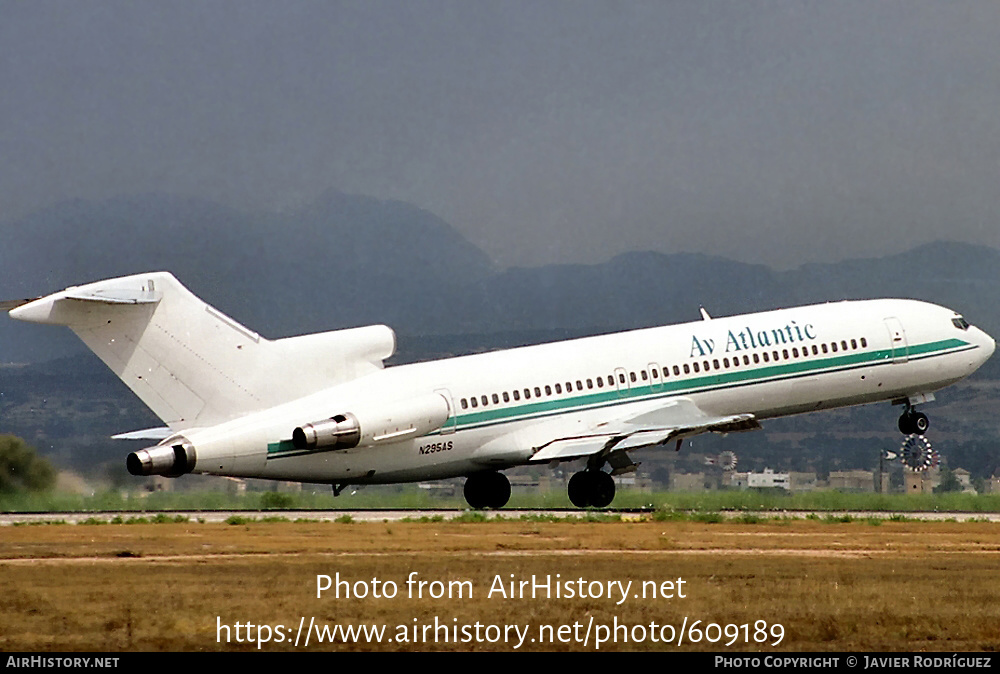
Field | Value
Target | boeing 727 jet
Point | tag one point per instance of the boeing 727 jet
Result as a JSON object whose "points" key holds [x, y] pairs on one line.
{"points": [[322, 408]]}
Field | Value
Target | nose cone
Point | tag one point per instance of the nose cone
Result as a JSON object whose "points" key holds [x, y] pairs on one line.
{"points": [[987, 344]]}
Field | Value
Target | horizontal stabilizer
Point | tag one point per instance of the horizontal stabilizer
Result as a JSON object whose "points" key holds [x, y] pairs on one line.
{"points": [[158, 433], [117, 296]]}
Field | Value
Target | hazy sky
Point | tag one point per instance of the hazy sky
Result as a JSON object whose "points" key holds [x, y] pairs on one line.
{"points": [[775, 132]]}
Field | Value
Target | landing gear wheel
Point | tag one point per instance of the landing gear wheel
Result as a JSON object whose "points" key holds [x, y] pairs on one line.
{"points": [[475, 494], [499, 490], [905, 423], [913, 422], [579, 489], [602, 490], [591, 488], [487, 490]]}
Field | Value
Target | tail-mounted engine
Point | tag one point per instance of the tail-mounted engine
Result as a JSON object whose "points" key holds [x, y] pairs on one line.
{"points": [[341, 431], [168, 460], [375, 424]]}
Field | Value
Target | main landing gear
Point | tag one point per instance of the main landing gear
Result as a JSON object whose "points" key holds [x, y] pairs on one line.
{"points": [[911, 422], [487, 490], [591, 487]]}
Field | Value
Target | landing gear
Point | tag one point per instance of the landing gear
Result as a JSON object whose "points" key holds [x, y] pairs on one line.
{"points": [[591, 488], [911, 422], [487, 490]]}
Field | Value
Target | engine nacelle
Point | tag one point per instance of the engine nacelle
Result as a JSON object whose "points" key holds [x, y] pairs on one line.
{"points": [[167, 460], [341, 431], [375, 425]]}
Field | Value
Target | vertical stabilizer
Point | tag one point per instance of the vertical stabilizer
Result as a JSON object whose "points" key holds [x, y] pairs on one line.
{"points": [[190, 363]]}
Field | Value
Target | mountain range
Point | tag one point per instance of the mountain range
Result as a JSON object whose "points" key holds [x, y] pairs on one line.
{"points": [[348, 260]]}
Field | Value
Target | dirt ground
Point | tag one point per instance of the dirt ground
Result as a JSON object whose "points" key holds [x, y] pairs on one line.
{"points": [[501, 586]]}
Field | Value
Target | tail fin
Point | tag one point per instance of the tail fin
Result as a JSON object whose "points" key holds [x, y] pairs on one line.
{"points": [[193, 365]]}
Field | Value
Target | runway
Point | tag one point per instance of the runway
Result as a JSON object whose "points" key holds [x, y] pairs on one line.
{"points": [[398, 515]]}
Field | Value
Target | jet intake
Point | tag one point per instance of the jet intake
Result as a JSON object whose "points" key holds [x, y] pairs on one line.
{"points": [[166, 460], [380, 424], [338, 432]]}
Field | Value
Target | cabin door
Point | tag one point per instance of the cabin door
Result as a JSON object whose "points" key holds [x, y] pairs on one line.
{"points": [[452, 421], [897, 340]]}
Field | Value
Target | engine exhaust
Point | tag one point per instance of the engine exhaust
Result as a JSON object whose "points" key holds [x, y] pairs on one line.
{"points": [[166, 460], [339, 432]]}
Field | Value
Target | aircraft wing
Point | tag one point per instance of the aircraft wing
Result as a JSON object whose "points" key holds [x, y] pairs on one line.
{"points": [[658, 424]]}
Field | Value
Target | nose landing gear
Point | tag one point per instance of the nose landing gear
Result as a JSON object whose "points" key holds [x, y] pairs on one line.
{"points": [[913, 422]]}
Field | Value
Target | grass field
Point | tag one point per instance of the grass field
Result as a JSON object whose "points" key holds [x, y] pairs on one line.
{"points": [[829, 585], [414, 497]]}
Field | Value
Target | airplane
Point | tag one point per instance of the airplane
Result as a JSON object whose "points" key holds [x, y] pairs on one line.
{"points": [[323, 408]]}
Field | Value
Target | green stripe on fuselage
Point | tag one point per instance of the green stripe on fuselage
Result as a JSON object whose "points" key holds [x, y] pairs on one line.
{"points": [[739, 377], [283, 446]]}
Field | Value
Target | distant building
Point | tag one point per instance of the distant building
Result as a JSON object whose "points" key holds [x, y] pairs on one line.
{"points": [[687, 481], [766, 480], [853, 480], [921, 482], [964, 478], [801, 481]]}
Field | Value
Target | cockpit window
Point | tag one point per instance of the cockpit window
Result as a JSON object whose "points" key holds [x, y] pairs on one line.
{"points": [[960, 323]]}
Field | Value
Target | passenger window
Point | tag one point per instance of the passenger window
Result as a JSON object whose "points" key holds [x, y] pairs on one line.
{"points": [[687, 369], [756, 358], [765, 357], [527, 394], [590, 383], [631, 375], [496, 399], [558, 388], [548, 390], [815, 350], [474, 403], [506, 398], [538, 392], [823, 347], [621, 378], [695, 366], [645, 376], [517, 394], [579, 385], [795, 351], [465, 404], [600, 382], [864, 342], [784, 354], [666, 372], [677, 371], [834, 347], [746, 360], [715, 363], [854, 344], [611, 380], [485, 401]]}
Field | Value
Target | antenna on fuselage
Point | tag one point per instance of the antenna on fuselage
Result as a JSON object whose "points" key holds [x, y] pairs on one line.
{"points": [[704, 314]]}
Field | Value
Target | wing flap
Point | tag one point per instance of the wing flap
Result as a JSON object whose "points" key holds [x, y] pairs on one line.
{"points": [[658, 424]]}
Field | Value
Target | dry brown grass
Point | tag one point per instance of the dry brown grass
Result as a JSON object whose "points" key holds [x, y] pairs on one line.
{"points": [[846, 586]]}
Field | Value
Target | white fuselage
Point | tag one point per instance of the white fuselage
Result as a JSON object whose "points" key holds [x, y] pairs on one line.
{"points": [[506, 404]]}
